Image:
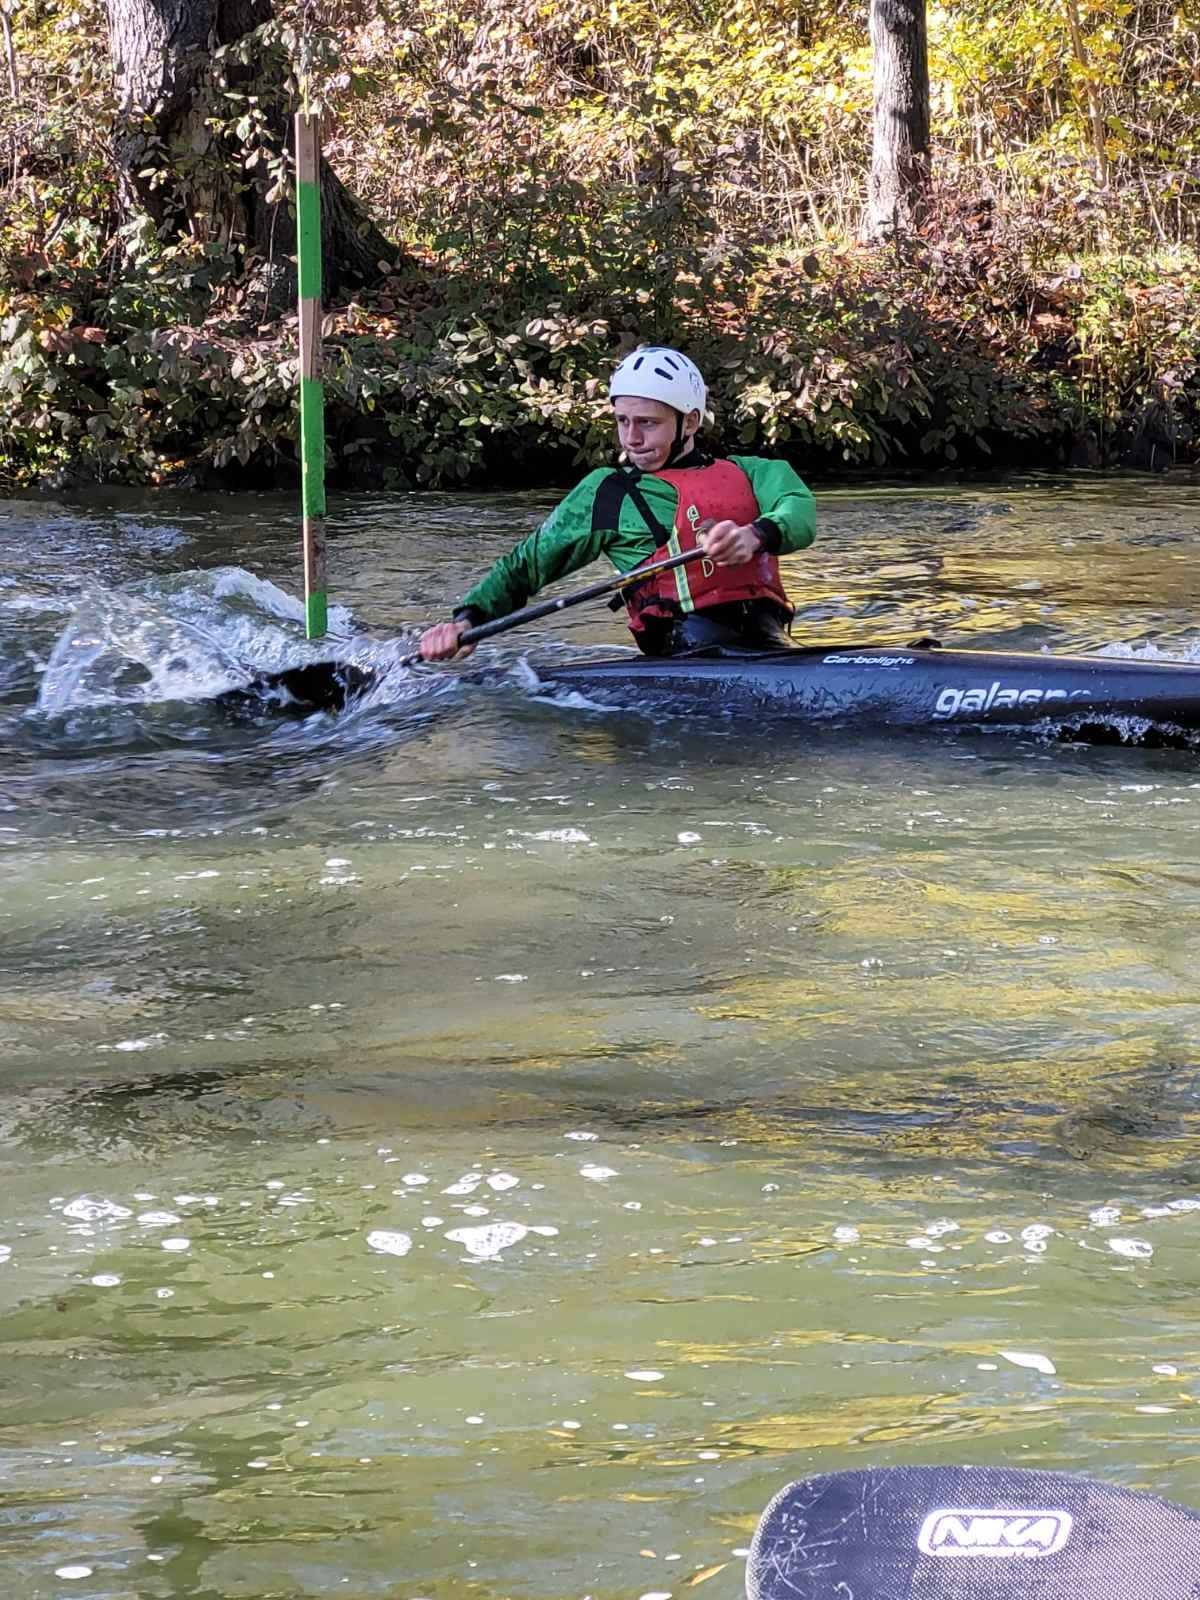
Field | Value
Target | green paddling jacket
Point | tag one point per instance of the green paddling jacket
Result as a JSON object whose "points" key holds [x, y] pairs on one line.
{"points": [[572, 536]]}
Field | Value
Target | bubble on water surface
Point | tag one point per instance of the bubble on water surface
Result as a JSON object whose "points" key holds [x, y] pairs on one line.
{"points": [[414, 1179], [105, 1280], [474, 1211], [561, 836], [1030, 1358], [581, 1135], [157, 1219], [177, 1244], [998, 1236], [845, 1234], [485, 1243], [646, 1375], [73, 1572], [89, 1209], [597, 1174], [389, 1243], [500, 1181], [1105, 1216], [1134, 1249], [5, 1253], [467, 1184]]}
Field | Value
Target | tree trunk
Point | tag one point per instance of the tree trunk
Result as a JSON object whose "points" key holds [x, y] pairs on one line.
{"points": [[899, 183], [191, 178], [1095, 109]]}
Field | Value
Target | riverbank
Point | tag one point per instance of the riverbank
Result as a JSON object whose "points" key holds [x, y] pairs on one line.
{"points": [[950, 354]]}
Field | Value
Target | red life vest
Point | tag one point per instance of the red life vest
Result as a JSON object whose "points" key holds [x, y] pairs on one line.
{"points": [[718, 492]]}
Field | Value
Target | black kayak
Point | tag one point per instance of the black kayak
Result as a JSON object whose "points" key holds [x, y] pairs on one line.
{"points": [[1093, 699]]}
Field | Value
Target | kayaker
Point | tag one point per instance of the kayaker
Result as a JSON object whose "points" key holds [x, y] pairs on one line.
{"points": [[669, 494]]}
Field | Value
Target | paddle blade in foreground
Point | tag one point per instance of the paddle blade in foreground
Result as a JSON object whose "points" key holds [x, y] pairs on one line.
{"points": [[298, 691], [971, 1533]]}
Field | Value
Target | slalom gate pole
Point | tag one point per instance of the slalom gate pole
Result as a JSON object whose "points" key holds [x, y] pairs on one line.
{"points": [[312, 394]]}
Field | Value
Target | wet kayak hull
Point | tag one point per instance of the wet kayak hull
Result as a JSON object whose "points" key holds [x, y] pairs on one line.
{"points": [[1110, 699]]}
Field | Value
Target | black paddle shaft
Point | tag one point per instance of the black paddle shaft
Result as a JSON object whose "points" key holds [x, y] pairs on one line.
{"points": [[547, 608]]}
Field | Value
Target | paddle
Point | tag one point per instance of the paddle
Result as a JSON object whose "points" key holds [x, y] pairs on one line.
{"points": [[328, 685], [547, 608], [971, 1533]]}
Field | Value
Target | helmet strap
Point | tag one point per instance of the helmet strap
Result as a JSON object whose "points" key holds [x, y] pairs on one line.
{"points": [[680, 447]]}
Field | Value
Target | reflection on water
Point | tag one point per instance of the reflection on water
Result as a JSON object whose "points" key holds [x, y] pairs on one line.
{"points": [[479, 1147]]}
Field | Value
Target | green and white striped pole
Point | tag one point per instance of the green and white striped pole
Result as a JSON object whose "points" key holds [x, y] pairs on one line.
{"points": [[312, 395]]}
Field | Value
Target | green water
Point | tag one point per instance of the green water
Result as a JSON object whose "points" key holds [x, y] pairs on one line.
{"points": [[485, 1148]]}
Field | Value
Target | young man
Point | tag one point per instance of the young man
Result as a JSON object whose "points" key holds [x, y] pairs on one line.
{"points": [[671, 496]]}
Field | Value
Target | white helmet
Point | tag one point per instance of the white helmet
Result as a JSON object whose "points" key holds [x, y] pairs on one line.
{"points": [[656, 373]]}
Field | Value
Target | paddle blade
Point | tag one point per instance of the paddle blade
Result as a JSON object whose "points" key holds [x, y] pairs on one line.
{"points": [[298, 691], [971, 1533]]}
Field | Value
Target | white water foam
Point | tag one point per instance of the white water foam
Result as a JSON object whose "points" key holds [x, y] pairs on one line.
{"points": [[196, 635], [1186, 651], [120, 649]]}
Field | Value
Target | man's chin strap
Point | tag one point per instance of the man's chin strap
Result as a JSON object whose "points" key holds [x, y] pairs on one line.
{"points": [[682, 446]]}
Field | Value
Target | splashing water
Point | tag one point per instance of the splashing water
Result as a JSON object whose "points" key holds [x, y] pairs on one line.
{"points": [[119, 648], [187, 638]]}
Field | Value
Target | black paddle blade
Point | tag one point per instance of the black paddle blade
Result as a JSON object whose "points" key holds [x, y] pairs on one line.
{"points": [[298, 691], [971, 1533]]}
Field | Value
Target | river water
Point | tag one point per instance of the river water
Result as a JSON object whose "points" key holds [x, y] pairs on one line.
{"points": [[478, 1147]]}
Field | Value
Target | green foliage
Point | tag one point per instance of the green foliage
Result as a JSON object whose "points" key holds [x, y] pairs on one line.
{"points": [[840, 359], [578, 177]]}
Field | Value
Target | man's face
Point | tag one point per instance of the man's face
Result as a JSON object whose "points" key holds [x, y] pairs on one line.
{"points": [[646, 430]]}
